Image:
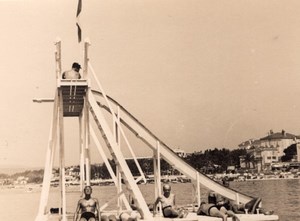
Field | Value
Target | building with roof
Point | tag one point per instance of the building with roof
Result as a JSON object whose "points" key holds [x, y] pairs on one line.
{"points": [[280, 140], [269, 149]]}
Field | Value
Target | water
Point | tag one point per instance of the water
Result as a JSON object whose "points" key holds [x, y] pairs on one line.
{"points": [[282, 196]]}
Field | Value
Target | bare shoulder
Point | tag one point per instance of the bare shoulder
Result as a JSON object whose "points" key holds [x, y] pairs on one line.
{"points": [[80, 201]]}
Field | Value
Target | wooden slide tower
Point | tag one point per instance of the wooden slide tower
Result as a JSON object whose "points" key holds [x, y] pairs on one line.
{"points": [[74, 98]]}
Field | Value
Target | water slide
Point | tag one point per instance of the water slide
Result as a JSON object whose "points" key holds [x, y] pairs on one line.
{"points": [[143, 133]]}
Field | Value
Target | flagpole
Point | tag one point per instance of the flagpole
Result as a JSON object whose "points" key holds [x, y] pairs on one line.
{"points": [[79, 32]]}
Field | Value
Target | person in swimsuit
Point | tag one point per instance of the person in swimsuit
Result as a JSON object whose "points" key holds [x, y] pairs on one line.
{"points": [[88, 207], [211, 209], [73, 73], [252, 206], [167, 201]]}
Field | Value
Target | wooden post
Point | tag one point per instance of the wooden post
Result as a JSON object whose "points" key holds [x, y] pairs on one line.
{"points": [[116, 132], [198, 190], [49, 163], [62, 159], [81, 137], [237, 198], [86, 144], [157, 174]]}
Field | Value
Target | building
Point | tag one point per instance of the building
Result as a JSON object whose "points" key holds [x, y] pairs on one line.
{"points": [[298, 152], [280, 141], [269, 149]]}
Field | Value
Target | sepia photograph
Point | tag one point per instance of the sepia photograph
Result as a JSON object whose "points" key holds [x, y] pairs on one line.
{"points": [[150, 110]]}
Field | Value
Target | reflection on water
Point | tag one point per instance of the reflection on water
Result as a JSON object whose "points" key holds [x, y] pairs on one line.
{"points": [[282, 196]]}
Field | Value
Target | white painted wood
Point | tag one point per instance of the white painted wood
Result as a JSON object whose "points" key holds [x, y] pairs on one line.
{"points": [[108, 166], [49, 162], [145, 213], [82, 157], [62, 159], [86, 145], [198, 191]]}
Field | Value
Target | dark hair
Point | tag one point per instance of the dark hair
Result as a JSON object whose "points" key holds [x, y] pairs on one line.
{"points": [[76, 65]]}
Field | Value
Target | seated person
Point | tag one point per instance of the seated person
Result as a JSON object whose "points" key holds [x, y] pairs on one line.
{"points": [[167, 200], [73, 73], [210, 209], [88, 207]]}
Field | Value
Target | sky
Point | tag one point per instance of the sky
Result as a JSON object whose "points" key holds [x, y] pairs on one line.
{"points": [[199, 74]]}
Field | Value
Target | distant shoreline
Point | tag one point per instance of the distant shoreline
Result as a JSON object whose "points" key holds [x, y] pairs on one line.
{"points": [[265, 179], [32, 187], [12, 170]]}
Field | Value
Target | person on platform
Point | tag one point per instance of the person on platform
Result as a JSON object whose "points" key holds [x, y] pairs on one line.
{"points": [[73, 73], [167, 201], [211, 209], [87, 207], [251, 207]]}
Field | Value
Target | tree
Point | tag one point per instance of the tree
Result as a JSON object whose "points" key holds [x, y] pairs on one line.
{"points": [[235, 156], [248, 159], [289, 153]]}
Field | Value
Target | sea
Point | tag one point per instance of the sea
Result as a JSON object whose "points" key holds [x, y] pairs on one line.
{"points": [[281, 195]]}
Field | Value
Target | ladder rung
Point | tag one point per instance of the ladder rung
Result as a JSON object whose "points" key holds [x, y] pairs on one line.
{"points": [[73, 96], [72, 106], [78, 93], [72, 102]]}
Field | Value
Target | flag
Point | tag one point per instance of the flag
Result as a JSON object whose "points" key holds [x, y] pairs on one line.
{"points": [[78, 32], [79, 7]]}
